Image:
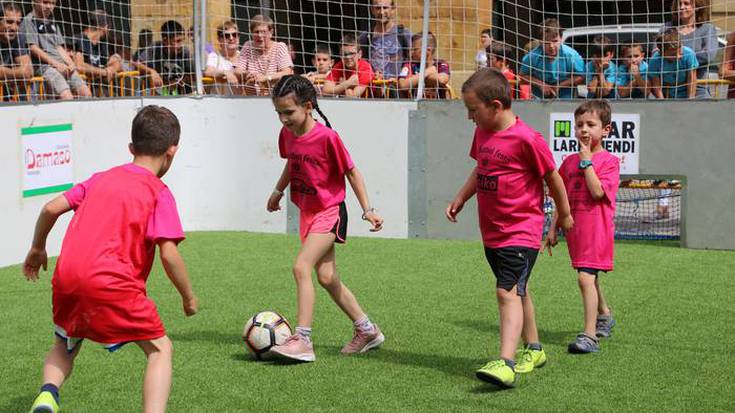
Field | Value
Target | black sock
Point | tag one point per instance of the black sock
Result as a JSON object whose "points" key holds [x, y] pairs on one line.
{"points": [[510, 363], [51, 388], [535, 346]]}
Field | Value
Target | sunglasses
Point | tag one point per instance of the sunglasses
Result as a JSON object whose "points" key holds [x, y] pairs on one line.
{"points": [[230, 35], [349, 54], [18, 22]]}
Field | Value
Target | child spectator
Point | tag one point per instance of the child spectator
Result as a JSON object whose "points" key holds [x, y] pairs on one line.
{"points": [[99, 284], [672, 70], [513, 162], [322, 62], [553, 69], [145, 40], [15, 62], [486, 41], [633, 72], [387, 46], [170, 60], [602, 73], [352, 75], [50, 56], [436, 73], [591, 180], [499, 56], [93, 53]]}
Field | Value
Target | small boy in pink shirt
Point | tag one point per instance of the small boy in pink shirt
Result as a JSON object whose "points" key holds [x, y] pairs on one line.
{"points": [[591, 178], [513, 162]]}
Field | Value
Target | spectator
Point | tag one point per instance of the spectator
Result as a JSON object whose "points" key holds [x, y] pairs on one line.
{"points": [[499, 57], [262, 61], [727, 70], [602, 72], [51, 58], [691, 19], [221, 65], [322, 62], [436, 74], [672, 70], [121, 47], [352, 75], [553, 69], [169, 61], [633, 72], [145, 40], [93, 54], [486, 41], [15, 62], [292, 53], [388, 45]]}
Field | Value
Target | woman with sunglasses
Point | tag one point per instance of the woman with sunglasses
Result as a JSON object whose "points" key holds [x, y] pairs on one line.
{"points": [[221, 62]]}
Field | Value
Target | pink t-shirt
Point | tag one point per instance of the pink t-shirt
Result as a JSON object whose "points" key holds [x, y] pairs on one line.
{"points": [[317, 163], [591, 240], [511, 165]]}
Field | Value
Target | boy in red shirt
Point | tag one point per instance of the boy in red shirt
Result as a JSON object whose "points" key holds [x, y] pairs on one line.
{"points": [[591, 178], [498, 57], [513, 162], [99, 285], [352, 75]]}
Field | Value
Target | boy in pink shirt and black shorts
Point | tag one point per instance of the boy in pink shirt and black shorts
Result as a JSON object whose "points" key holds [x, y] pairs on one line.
{"points": [[99, 285], [591, 178], [513, 162]]}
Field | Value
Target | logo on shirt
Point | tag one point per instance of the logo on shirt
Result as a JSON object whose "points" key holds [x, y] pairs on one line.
{"points": [[300, 186], [487, 183]]}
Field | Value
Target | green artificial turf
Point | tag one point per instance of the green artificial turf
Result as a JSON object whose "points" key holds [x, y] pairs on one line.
{"points": [[672, 349]]}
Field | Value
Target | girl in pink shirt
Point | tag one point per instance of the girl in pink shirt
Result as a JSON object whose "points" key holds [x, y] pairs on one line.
{"points": [[316, 167], [591, 179]]}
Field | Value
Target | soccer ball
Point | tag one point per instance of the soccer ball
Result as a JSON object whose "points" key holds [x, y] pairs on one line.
{"points": [[263, 331]]}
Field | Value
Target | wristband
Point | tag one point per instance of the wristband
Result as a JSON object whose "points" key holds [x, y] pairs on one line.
{"points": [[584, 164], [278, 192], [364, 214]]}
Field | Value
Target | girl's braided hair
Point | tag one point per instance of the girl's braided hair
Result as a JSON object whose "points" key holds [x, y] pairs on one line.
{"points": [[302, 89]]}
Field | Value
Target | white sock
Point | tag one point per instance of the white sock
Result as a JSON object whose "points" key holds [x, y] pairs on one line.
{"points": [[364, 324], [304, 332]]}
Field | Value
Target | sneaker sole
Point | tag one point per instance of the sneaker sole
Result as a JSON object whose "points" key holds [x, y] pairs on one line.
{"points": [[577, 350], [304, 357], [487, 378], [376, 342], [43, 409]]}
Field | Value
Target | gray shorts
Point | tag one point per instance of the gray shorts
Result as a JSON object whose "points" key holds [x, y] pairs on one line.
{"points": [[57, 83]]}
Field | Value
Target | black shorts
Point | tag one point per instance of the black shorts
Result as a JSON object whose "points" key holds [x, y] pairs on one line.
{"points": [[340, 227], [593, 271], [512, 266]]}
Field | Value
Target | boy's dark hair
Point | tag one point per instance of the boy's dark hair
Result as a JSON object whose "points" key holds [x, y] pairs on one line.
{"points": [[303, 91], [349, 39], [430, 39], [97, 18], [145, 38], [489, 84], [171, 28], [599, 107], [9, 6], [669, 39], [601, 46], [488, 32], [155, 129], [500, 50], [549, 29], [323, 48]]}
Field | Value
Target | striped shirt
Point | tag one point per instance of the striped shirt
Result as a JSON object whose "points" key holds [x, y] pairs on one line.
{"points": [[275, 60]]}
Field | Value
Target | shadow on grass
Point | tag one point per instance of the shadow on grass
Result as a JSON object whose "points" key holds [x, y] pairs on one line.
{"points": [[215, 337], [18, 404], [247, 358], [546, 336]]}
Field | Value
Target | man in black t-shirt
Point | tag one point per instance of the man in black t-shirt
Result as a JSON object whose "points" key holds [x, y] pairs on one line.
{"points": [[93, 54], [15, 62], [170, 60]]}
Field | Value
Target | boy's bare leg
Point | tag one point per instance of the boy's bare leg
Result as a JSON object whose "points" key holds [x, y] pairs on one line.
{"points": [[530, 332], [157, 381], [602, 307], [587, 287], [59, 363], [510, 307]]}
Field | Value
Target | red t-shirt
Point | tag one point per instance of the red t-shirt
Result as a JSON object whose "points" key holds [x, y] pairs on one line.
{"points": [[317, 163], [524, 90], [591, 240], [511, 165], [364, 73], [99, 285]]}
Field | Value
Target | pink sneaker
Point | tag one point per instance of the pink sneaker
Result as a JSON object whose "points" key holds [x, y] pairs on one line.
{"points": [[362, 341], [295, 348]]}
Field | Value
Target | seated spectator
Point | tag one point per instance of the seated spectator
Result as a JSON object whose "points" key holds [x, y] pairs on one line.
{"points": [[387, 46], [145, 40], [262, 61], [322, 62], [352, 75], [221, 65], [93, 53], [15, 62], [602, 72], [436, 73], [499, 57], [169, 62], [553, 69], [727, 70], [486, 41], [672, 70], [121, 48], [49, 54], [633, 72]]}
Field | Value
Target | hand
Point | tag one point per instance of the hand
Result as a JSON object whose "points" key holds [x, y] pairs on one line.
{"points": [[261, 79], [191, 305], [378, 75], [453, 210], [566, 223], [110, 73], [63, 69], [156, 79], [550, 241], [431, 70], [35, 259], [231, 78], [353, 81], [374, 219], [549, 91], [585, 153], [634, 69], [274, 202]]}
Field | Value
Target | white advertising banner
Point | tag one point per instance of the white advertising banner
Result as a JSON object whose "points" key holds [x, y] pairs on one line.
{"points": [[623, 140], [47, 159]]}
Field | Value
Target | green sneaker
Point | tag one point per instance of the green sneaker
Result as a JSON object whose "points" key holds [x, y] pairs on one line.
{"points": [[529, 359], [498, 373], [45, 403]]}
